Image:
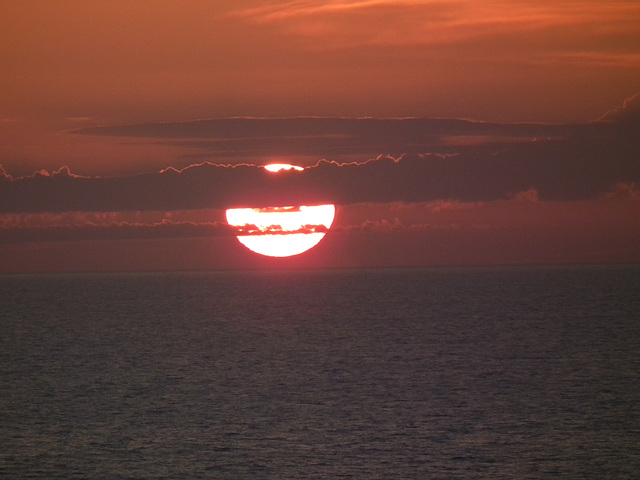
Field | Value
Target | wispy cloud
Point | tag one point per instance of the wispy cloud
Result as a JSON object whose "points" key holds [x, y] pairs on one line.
{"points": [[327, 137], [586, 30], [616, 210], [114, 231]]}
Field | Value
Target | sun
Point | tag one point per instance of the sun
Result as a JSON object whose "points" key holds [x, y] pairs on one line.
{"points": [[276, 167], [281, 231]]}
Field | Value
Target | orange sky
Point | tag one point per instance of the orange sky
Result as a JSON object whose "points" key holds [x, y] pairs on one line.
{"points": [[72, 64], [117, 60]]}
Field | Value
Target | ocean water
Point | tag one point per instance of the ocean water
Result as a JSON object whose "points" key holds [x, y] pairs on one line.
{"points": [[449, 373]]}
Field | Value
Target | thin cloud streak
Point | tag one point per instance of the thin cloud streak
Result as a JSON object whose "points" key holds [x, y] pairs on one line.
{"points": [[328, 137], [349, 23], [618, 211], [79, 218], [114, 231]]}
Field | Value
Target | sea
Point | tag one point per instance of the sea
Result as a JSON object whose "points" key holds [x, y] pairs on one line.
{"points": [[435, 373]]}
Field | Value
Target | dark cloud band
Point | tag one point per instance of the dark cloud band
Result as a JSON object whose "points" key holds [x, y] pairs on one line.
{"points": [[565, 163]]}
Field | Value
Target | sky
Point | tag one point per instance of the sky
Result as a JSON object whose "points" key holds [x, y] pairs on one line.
{"points": [[446, 132]]}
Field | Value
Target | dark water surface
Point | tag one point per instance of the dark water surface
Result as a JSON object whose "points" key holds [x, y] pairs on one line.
{"points": [[487, 373]]}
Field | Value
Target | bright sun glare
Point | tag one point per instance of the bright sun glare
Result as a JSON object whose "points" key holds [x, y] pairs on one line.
{"points": [[276, 167], [281, 231]]}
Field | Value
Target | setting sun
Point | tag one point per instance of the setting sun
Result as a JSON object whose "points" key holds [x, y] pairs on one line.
{"points": [[281, 231], [276, 167]]}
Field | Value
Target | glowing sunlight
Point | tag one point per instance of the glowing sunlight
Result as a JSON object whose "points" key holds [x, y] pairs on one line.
{"points": [[281, 231], [276, 167]]}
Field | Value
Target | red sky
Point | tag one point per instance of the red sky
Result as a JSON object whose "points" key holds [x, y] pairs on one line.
{"points": [[117, 89]]}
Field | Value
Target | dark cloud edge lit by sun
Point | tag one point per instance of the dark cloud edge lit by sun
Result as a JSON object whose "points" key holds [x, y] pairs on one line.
{"points": [[415, 160], [458, 170]]}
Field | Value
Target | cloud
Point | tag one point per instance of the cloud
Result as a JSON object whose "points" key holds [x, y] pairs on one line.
{"points": [[3, 173], [468, 162], [251, 229], [625, 191], [565, 163], [383, 225], [304, 140], [365, 234], [330, 128], [106, 218], [114, 231], [587, 26], [530, 195], [325, 137], [521, 210], [628, 114]]}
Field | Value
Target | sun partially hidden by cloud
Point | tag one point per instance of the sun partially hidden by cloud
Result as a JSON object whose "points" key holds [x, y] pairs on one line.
{"points": [[276, 167], [281, 231]]}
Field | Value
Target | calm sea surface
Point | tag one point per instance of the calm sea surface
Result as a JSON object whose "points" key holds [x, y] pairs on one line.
{"points": [[461, 373]]}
